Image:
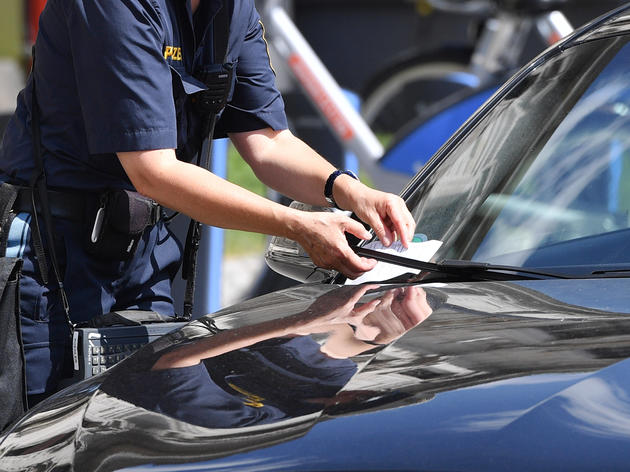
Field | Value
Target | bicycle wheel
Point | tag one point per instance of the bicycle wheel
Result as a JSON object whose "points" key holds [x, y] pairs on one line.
{"points": [[405, 90]]}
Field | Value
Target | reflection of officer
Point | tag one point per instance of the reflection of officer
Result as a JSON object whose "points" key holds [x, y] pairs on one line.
{"points": [[114, 81], [268, 382], [264, 373]]}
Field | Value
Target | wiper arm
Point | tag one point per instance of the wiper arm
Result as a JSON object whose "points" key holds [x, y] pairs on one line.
{"points": [[481, 270], [455, 264]]}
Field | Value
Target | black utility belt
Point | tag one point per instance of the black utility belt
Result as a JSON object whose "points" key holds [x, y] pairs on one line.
{"points": [[113, 221], [65, 205]]}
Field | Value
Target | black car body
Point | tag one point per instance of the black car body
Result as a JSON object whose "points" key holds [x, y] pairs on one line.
{"points": [[514, 352]]}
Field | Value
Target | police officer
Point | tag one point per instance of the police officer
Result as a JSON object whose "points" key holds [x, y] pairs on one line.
{"points": [[115, 82]]}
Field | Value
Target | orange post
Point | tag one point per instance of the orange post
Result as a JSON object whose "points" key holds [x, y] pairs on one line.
{"points": [[34, 9]]}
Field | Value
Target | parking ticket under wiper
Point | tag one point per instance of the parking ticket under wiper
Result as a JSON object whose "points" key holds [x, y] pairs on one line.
{"points": [[394, 260], [452, 266]]}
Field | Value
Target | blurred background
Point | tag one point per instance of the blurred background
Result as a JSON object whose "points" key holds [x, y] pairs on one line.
{"points": [[380, 52]]}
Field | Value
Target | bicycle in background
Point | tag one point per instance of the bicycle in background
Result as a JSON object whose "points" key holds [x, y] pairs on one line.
{"points": [[422, 101], [509, 32]]}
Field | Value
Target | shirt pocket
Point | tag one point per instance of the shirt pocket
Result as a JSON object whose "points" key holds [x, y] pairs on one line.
{"points": [[189, 123]]}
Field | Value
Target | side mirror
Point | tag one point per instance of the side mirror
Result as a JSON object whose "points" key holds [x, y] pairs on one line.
{"points": [[288, 258]]}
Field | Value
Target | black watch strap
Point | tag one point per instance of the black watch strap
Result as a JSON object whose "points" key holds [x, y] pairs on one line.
{"points": [[328, 188]]}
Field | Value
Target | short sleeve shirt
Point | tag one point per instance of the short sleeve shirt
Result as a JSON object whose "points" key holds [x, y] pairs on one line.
{"points": [[116, 76]]}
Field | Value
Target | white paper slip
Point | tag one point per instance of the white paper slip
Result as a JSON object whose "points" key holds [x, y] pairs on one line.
{"points": [[419, 251]]}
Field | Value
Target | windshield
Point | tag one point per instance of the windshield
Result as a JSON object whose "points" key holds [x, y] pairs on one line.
{"points": [[543, 180]]}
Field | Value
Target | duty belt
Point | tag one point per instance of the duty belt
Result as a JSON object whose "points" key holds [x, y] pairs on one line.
{"points": [[69, 205], [66, 205]]}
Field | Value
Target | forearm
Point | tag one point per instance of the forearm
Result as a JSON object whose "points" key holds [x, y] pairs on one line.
{"points": [[234, 339], [220, 343], [203, 196], [288, 165]]}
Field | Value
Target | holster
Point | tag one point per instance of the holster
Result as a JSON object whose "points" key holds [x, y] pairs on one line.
{"points": [[115, 224]]}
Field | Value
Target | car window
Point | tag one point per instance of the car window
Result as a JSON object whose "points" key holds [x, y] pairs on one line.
{"points": [[544, 178]]}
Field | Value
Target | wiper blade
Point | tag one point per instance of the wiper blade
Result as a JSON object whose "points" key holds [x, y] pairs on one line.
{"points": [[617, 272], [455, 264], [481, 270]]}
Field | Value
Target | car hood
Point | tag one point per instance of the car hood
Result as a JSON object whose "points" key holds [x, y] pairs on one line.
{"points": [[476, 376]]}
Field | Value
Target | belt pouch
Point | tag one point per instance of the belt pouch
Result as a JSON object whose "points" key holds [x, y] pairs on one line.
{"points": [[116, 222]]}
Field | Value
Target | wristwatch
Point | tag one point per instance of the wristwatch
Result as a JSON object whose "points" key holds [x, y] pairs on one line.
{"points": [[328, 188]]}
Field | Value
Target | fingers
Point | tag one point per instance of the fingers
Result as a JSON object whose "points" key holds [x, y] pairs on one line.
{"points": [[354, 227], [412, 307], [357, 291], [341, 257], [325, 241], [401, 221], [381, 325], [361, 311], [353, 293], [382, 230], [353, 266], [389, 217], [403, 308], [417, 305], [398, 220]]}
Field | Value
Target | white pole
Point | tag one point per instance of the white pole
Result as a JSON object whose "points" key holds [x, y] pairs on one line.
{"points": [[320, 87]]}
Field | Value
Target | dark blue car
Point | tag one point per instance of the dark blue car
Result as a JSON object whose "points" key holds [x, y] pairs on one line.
{"points": [[500, 341]]}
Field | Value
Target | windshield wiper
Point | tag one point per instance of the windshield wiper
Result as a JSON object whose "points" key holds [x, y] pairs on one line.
{"points": [[481, 270], [617, 272]]}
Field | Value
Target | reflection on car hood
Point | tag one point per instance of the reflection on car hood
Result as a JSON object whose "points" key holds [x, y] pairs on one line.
{"points": [[530, 375]]}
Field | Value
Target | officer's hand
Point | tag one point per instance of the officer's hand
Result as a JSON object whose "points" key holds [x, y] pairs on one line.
{"points": [[338, 306], [399, 310], [322, 235], [386, 214]]}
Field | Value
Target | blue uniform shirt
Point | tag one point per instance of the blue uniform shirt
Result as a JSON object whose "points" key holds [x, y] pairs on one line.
{"points": [[117, 76]]}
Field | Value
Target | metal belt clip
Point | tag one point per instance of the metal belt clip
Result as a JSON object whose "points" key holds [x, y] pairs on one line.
{"points": [[98, 223]]}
